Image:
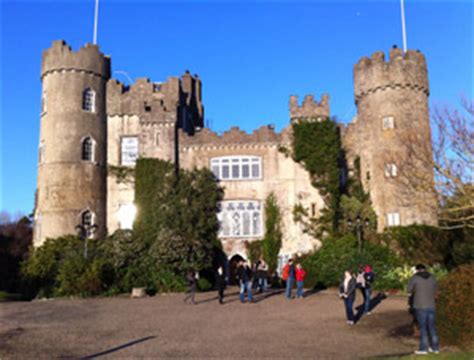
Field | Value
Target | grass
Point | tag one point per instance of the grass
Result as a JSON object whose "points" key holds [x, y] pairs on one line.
{"points": [[6, 296]]}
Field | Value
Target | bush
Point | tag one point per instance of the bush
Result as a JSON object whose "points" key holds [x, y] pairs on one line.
{"points": [[203, 284], [455, 307], [327, 265], [418, 243], [58, 268], [397, 278]]}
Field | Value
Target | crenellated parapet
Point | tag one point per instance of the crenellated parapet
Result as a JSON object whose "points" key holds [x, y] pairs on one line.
{"points": [[88, 59], [158, 101], [263, 136], [402, 71], [310, 109]]}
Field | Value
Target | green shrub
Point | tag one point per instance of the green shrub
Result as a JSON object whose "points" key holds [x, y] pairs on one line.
{"points": [[254, 250], [327, 265], [455, 307], [418, 243], [168, 281], [271, 243], [203, 284]]}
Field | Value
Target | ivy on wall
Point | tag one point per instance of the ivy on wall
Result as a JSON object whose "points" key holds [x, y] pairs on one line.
{"points": [[122, 174], [317, 146]]}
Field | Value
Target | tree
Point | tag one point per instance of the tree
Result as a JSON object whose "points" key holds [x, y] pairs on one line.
{"points": [[445, 169], [273, 235], [177, 214]]}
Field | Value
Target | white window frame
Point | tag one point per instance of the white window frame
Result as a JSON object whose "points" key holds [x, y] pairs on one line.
{"points": [[390, 170], [88, 100], [234, 167], [127, 160], [388, 122], [393, 219], [231, 219]]}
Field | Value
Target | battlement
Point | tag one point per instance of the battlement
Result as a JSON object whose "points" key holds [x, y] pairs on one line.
{"points": [[310, 107], [402, 71], [153, 99], [264, 135], [89, 59]]}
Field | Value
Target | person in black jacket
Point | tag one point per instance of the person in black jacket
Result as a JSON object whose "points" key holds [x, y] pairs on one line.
{"points": [[245, 279], [347, 292], [220, 283]]}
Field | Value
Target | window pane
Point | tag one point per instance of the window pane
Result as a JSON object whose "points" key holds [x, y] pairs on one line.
{"points": [[235, 171], [255, 170], [256, 223], [215, 170], [87, 149], [246, 217], [225, 171], [236, 223], [245, 171]]}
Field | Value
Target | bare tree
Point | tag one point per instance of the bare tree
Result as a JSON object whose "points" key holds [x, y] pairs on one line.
{"points": [[453, 155], [444, 169]]}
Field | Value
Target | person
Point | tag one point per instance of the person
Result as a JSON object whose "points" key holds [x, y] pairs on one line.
{"points": [[249, 282], [191, 279], [262, 275], [347, 292], [300, 275], [423, 287], [220, 283], [360, 281], [369, 278], [289, 276], [243, 272]]}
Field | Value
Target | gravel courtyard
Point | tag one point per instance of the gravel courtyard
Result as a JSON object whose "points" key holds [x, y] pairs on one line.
{"points": [[164, 327]]}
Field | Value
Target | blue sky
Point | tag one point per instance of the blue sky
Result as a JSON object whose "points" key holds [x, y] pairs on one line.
{"points": [[250, 56]]}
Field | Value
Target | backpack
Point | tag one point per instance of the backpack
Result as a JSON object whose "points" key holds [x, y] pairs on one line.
{"points": [[286, 271]]}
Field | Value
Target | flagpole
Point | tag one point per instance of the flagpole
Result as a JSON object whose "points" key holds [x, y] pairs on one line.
{"points": [[404, 33], [96, 18]]}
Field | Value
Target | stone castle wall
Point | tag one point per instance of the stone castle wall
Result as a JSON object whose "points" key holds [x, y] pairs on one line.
{"points": [[167, 118]]}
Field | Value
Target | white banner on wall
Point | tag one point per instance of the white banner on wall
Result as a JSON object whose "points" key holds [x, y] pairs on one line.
{"points": [[129, 149]]}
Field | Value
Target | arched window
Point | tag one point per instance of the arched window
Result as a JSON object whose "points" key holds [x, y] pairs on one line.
{"points": [[88, 100], [87, 222], [88, 149], [240, 218]]}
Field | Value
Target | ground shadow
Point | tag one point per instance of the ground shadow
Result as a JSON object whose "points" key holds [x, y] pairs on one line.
{"points": [[316, 289], [131, 343], [389, 356], [374, 302]]}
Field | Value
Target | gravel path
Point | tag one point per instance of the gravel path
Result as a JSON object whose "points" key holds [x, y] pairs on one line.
{"points": [[164, 327]]}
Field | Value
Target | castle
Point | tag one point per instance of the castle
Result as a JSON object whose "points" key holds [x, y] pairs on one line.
{"points": [[90, 123]]}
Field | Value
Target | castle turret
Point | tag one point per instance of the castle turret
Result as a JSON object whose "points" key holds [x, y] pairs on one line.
{"points": [[392, 137], [310, 110], [72, 153]]}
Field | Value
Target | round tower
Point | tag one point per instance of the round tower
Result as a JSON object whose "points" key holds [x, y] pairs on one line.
{"points": [[71, 187], [394, 137]]}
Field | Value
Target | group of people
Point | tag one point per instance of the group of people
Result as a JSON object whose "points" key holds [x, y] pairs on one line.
{"points": [[349, 285], [248, 277], [421, 288]]}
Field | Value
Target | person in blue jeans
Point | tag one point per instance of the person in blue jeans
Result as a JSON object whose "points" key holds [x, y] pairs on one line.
{"points": [[423, 287], [347, 292], [369, 278], [244, 274], [289, 277]]}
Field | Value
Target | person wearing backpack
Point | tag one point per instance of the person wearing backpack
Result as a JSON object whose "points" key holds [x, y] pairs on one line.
{"points": [[369, 278], [288, 276]]}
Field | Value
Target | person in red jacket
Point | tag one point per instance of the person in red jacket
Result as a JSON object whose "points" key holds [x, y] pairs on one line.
{"points": [[300, 275]]}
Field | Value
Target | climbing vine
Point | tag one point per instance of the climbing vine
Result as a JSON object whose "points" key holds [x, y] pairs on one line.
{"points": [[122, 174], [317, 146]]}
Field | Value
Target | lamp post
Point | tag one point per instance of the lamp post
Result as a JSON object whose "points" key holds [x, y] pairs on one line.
{"points": [[359, 225], [85, 231]]}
